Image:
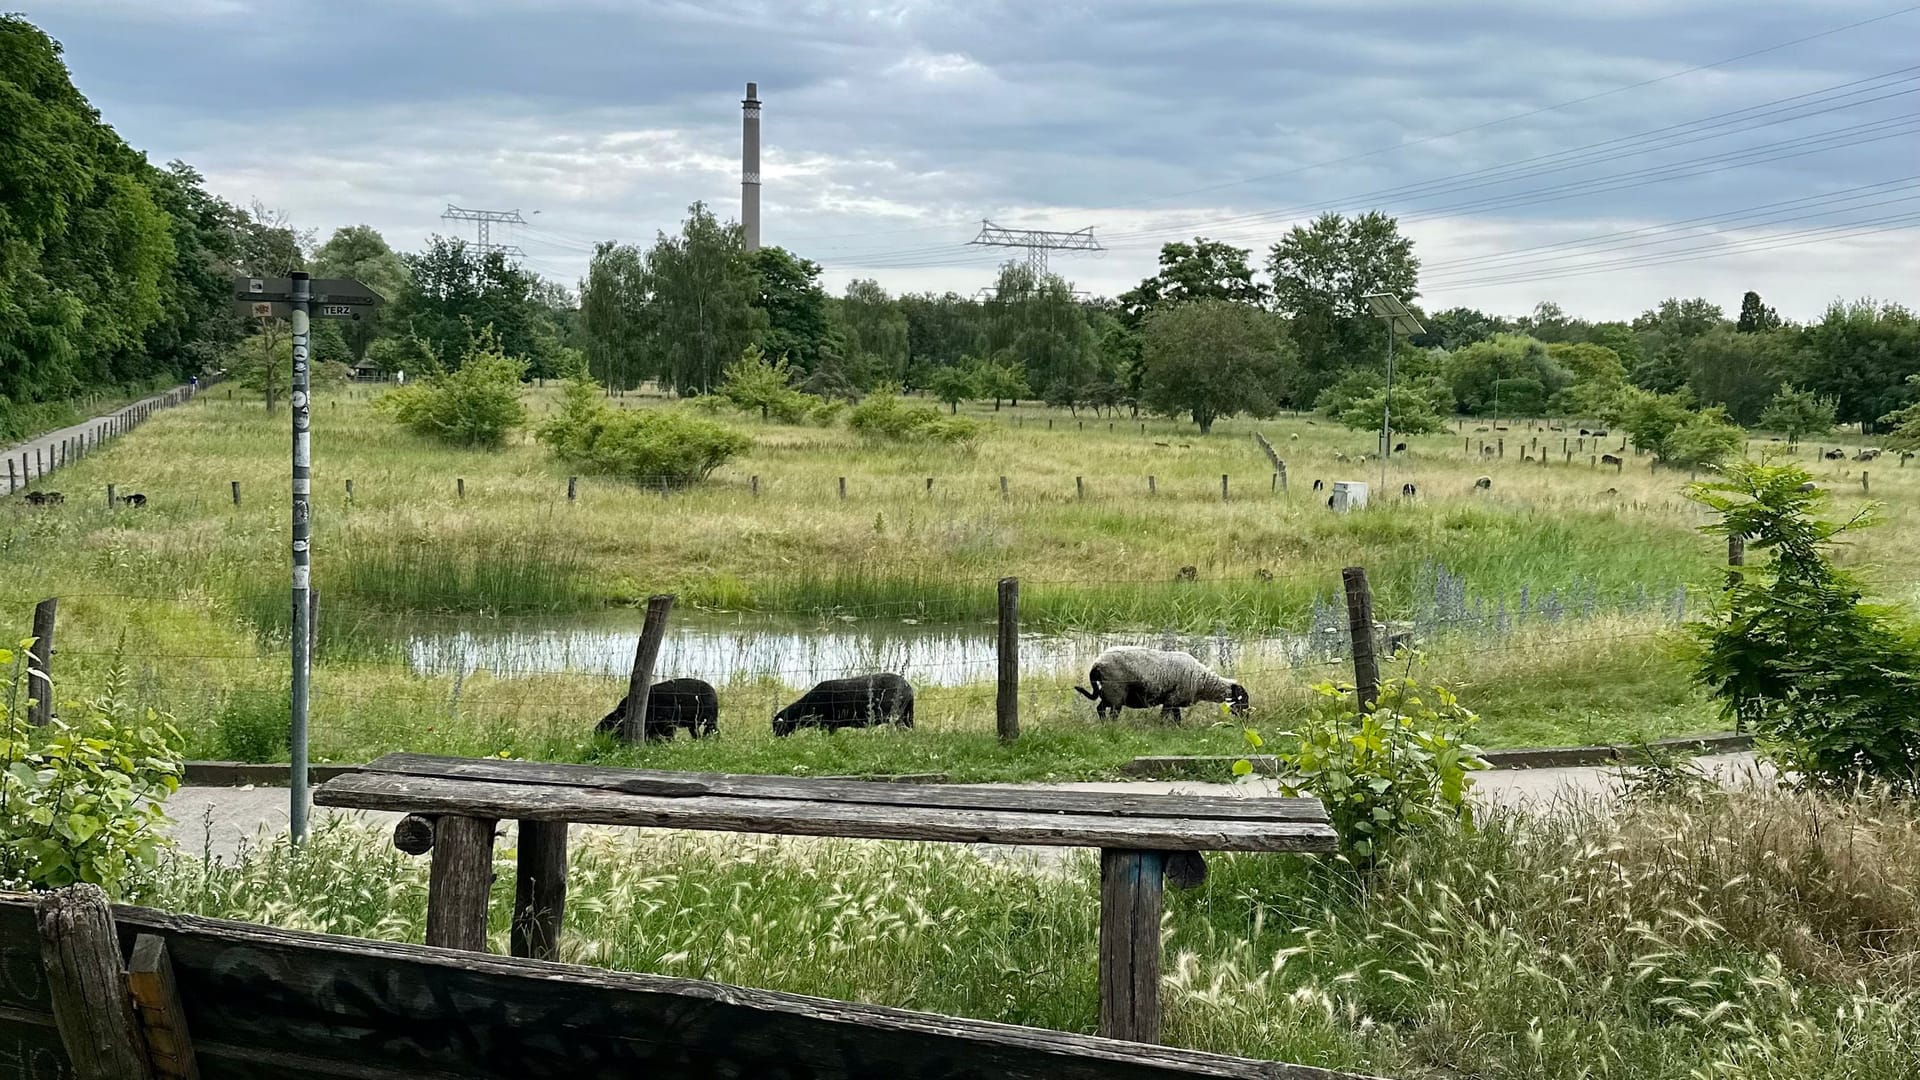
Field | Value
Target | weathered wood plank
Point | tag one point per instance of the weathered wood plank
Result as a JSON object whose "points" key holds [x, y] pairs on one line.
{"points": [[30, 1047], [23, 982], [162, 1015], [458, 882], [598, 806], [800, 789], [81, 953], [540, 890], [1131, 897], [268, 997]]}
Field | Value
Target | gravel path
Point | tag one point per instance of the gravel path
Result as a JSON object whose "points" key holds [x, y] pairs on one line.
{"points": [[38, 454]]}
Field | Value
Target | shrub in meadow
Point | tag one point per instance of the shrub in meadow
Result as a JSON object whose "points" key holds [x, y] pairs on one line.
{"points": [[477, 404], [656, 445], [884, 416]]}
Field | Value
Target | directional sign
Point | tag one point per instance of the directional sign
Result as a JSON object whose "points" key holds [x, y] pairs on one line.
{"points": [[332, 298]]}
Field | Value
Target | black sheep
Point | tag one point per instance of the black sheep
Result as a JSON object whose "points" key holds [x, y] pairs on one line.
{"points": [[671, 704], [1400, 448], [135, 499], [1408, 491], [1609, 459], [861, 701]]}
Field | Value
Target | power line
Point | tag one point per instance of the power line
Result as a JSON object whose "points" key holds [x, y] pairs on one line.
{"points": [[483, 221]]}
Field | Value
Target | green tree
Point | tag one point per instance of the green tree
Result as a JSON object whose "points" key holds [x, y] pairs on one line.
{"points": [[955, 383], [1002, 380], [1505, 375], [1663, 334], [1321, 274], [1677, 431], [1903, 425], [613, 302], [795, 306], [665, 446], [1413, 414], [1202, 270], [359, 252], [1212, 358], [700, 293], [1034, 323], [454, 292], [1795, 413], [1861, 353], [1458, 327], [1742, 370], [940, 330], [1827, 681], [1755, 316], [874, 331]]}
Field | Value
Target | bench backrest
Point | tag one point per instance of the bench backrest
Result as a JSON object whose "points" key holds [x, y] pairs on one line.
{"points": [[264, 1002]]}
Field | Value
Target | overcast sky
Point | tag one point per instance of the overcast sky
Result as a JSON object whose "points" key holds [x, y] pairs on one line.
{"points": [[1775, 131]]}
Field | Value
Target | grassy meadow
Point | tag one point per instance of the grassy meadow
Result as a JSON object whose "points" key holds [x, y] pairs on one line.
{"points": [[1741, 937], [1550, 599]]}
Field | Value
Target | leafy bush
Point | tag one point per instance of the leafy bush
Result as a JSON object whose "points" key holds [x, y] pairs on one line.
{"points": [[1402, 766], [955, 383], [81, 798], [1829, 683], [883, 415], [1794, 412], [638, 444], [755, 383], [477, 404], [1413, 414], [1905, 422], [253, 728], [1675, 429]]}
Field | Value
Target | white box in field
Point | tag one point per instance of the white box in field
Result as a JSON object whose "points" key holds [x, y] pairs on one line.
{"points": [[1349, 495]]}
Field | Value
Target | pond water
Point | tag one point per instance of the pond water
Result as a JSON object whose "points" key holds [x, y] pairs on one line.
{"points": [[799, 654]]}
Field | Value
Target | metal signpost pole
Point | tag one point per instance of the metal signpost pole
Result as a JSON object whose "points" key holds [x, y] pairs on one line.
{"points": [[302, 554]]}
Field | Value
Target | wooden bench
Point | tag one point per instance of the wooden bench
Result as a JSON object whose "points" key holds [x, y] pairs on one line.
{"points": [[99, 992], [456, 804]]}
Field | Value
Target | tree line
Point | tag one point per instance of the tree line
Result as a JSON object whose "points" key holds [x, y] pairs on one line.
{"points": [[113, 271]]}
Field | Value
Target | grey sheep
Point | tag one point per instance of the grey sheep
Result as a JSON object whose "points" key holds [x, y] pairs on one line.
{"points": [[1483, 483], [1132, 677]]}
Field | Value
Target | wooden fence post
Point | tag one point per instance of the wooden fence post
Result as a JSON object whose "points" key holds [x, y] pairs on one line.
{"points": [[112, 499], [1223, 487], [754, 482], [458, 881], [40, 662], [88, 985], [1863, 481], [1283, 476], [236, 492], [1150, 484], [163, 1017], [1003, 487], [573, 487], [1079, 488], [633, 724], [1006, 703], [540, 890], [13, 479], [1131, 894], [929, 485], [1366, 671], [843, 489], [460, 486], [349, 492]]}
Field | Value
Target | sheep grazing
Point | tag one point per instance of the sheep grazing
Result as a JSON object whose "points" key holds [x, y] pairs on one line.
{"points": [[1329, 502], [1609, 459], [135, 499], [45, 498], [1263, 574], [1295, 436], [1809, 486], [1584, 431], [1486, 451], [1613, 491], [1485, 483], [1338, 456], [1834, 454], [1400, 448], [1132, 677], [672, 704], [1867, 454], [862, 701], [1408, 491], [1599, 431], [1319, 485], [1159, 444], [1188, 573]]}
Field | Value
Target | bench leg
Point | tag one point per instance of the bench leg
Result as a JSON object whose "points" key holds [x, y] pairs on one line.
{"points": [[540, 892], [458, 884], [1131, 884]]}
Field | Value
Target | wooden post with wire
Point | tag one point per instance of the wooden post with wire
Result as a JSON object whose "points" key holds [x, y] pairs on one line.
{"points": [[1366, 669], [1007, 697], [40, 663]]}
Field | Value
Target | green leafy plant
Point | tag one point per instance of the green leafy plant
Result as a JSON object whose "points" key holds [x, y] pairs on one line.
{"points": [[477, 404], [883, 415], [754, 382], [1401, 766], [670, 445], [1795, 413], [1793, 653], [81, 798]]}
